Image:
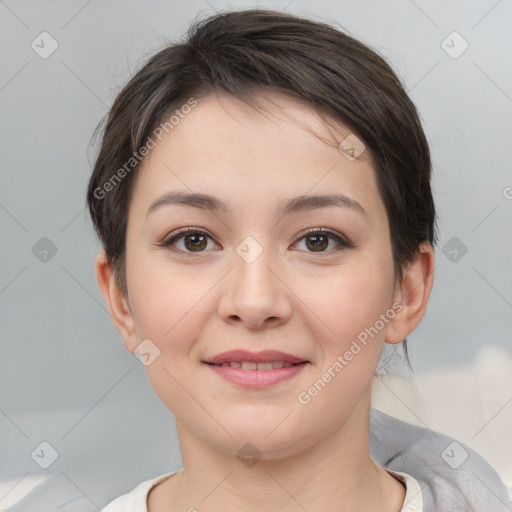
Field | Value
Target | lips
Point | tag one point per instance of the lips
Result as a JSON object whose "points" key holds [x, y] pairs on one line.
{"points": [[265, 360], [256, 370]]}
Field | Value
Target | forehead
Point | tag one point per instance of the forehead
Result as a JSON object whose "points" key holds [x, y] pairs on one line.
{"points": [[247, 156]]}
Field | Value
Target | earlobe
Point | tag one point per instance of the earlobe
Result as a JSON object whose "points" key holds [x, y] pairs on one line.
{"points": [[413, 294], [117, 304]]}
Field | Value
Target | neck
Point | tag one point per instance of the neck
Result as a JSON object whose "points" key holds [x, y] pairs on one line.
{"points": [[336, 473]]}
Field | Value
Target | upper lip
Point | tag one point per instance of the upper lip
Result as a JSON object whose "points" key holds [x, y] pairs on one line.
{"points": [[266, 356]]}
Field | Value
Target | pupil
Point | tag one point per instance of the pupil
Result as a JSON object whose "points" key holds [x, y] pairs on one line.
{"points": [[316, 239]]}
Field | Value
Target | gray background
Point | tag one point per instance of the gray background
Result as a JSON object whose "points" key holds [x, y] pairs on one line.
{"points": [[65, 377]]}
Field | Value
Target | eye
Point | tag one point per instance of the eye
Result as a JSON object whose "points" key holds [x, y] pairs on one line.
{"points": [[195, 240], [317, 240]]}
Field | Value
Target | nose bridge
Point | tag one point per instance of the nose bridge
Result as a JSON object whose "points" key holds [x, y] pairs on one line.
{"points": [[252, 261], [254, 291]]}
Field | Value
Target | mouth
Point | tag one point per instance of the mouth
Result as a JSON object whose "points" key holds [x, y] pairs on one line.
{"points": [[253, 365], [264, 360], [256, 369]]}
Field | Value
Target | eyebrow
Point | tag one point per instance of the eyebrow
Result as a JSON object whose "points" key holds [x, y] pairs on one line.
{"points": [[292, 205]]}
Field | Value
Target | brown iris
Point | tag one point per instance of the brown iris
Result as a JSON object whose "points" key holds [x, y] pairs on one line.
{"points": [[197, 242], [319, 241]]}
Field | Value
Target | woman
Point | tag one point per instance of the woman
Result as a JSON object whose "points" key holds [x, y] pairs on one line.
{"points": [[262, 193]]}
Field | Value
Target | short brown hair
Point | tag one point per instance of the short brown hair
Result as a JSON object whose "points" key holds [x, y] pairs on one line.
{"points": [[243, 52]]}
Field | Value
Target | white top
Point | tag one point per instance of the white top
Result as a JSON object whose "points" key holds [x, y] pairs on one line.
{"points": [[135, 501]]}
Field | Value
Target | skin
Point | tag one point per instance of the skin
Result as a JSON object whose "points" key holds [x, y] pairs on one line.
{"points": [[294, 297]]}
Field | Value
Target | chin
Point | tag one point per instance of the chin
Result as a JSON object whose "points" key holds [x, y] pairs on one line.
{"points": [[263, 438]]}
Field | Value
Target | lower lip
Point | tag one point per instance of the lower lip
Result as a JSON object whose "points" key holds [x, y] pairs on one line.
{"points": [[257, 378]]}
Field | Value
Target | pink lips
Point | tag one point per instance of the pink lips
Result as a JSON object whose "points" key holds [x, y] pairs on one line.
{"points": [[256, 378]]}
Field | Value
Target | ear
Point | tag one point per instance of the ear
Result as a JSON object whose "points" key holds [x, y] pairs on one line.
{"points": [[117, 304], [413, 293]]}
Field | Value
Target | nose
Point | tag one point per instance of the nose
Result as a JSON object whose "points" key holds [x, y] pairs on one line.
{"points": [[255, 292]]}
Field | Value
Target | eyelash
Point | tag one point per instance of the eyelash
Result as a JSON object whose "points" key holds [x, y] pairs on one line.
{"points": [[182, 232]]}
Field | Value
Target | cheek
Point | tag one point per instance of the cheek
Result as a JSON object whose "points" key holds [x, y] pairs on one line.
{"points": [[349, 303], [351, 306], [165, 302], [168, 310]]}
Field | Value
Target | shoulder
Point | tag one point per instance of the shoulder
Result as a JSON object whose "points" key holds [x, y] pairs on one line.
{"points": [[135, 500], [449, 473]]}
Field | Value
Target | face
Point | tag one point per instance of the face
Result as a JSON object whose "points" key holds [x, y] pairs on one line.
{"points": [[259, 273]]}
